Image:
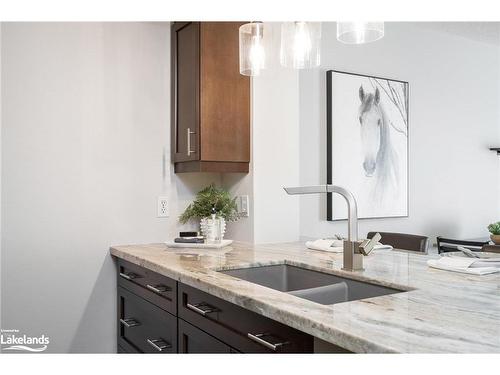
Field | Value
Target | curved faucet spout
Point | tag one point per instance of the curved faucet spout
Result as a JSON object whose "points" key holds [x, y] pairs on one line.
{"points": [[352, 207], [352, 259]]}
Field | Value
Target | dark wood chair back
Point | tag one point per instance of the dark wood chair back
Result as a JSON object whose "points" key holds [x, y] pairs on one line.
{"points": [[446, 245], [403, 241]]}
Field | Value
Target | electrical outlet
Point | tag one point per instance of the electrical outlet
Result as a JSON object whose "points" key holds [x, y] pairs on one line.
{"points": [[243, 205], [162, 207]]}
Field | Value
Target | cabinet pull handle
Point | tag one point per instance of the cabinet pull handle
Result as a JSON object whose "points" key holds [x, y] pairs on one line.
{"points": [[159, 344], [202, 308], [128, 276], [130, 322], [158, 288], [189, 151], [258, 339]]}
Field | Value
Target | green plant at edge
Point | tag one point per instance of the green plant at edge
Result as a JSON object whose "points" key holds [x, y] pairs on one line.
{"points": [[209, 197], [494, 228]]}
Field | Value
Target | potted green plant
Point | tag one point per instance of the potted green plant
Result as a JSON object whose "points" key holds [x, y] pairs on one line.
{"points": [[210, 200], [494, 229]]}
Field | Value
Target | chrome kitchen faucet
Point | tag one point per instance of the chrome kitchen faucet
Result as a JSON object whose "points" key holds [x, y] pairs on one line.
{"points": [[353, 257]]}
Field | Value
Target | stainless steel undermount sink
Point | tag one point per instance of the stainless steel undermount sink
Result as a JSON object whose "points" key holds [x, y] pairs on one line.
{"points": [[323, 288]]}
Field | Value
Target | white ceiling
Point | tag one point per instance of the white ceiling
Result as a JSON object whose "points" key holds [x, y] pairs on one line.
{"points": [[487, 32]]}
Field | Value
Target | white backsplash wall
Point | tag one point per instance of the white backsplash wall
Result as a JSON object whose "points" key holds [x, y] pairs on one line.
{"points": [[275, 122], [274, 216], [241, 184], [454, 118], [85, 124]]}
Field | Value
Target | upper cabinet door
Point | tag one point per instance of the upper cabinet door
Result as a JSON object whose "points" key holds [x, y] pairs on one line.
{"points": [[225, 95], [185, 109], [210, 99]]}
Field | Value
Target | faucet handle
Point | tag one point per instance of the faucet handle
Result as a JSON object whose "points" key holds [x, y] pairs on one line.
{"points": [[367, 246]]}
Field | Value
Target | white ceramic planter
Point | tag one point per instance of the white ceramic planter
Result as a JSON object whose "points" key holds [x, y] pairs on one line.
{"points": [[207, 226], [495, 238]]}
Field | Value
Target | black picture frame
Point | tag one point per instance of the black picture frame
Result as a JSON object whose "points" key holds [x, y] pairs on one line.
{"points": [[329, 133]]}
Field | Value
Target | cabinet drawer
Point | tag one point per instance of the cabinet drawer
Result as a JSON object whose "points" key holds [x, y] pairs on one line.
{"points": [[194, 340], [241, 329], [153, 287], [144, 327]]}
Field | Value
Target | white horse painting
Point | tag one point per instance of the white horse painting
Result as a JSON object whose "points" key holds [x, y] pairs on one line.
{"points": [[368, 143], [379, 161]]}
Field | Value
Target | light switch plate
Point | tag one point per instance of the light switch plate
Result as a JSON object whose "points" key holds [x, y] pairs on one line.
{"points": [[242, 202]]}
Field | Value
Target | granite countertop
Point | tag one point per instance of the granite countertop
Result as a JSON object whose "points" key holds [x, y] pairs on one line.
{"points": [[442, 311]]}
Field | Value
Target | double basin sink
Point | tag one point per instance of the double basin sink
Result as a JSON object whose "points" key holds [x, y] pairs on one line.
{"points": [[319, 287]]}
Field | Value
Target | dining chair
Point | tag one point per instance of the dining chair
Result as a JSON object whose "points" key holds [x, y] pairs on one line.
{"points": [[446, 245], [403, 241]]}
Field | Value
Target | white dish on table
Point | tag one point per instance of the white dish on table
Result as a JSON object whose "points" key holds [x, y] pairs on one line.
{"points": [[485, 259]]}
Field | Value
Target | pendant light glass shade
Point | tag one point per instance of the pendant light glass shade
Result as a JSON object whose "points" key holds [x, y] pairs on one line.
{"points": [[359, 32], [300, 44], [252, 54]]}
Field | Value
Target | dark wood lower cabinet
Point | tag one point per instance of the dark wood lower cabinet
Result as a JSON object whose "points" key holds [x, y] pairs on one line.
{"points": [[144, 327], [194, 340], [244, 330], [150, 286], [157, 314]]}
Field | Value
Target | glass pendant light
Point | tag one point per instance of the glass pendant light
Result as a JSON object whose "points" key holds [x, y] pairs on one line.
{"points": [[252, 54], [359, 32], [300, 44]]}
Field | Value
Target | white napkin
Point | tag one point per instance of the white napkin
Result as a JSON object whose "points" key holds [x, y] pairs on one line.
{"points": [[380, 246], [331, 245], [461, 264], [337, 246]]}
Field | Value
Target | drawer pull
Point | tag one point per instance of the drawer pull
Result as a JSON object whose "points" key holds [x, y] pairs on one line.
{"points": [[202, 308], [158, 288], [159, 344], [129, 276], [130, 322], [258, 338]]}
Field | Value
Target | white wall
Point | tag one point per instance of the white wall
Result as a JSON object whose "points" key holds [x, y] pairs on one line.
{"points": [[275, 111], [241, 184], [0, 170], [85, 125], [454, 118], [274, 216], [498, 141]]}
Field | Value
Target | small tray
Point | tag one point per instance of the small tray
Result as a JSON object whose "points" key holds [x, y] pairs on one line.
{"points": [[199, 245]]}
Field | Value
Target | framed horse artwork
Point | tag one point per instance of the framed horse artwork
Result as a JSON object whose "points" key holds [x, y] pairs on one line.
{"points": [[367, 144]]}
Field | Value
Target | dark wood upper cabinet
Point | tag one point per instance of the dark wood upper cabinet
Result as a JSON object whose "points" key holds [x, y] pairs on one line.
{"points": [[210, 99]]}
